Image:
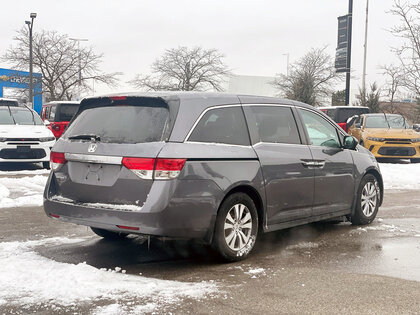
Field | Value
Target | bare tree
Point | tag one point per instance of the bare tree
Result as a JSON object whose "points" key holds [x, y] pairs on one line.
{"points": [[394, 81], [310, 79], [369, 99], [57, 59], [409, 51], [184, 69]]}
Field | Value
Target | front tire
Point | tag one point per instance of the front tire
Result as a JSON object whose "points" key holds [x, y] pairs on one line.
{"points": [[236, 227], [108, 235], [368, 199]]}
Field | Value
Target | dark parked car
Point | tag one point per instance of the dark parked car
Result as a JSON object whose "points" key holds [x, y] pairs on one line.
{"points": [[216, 167], [341, 114], [58, 115]]}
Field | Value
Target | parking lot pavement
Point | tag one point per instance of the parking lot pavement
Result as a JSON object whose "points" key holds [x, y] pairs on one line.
{"points": [[317, 268]]}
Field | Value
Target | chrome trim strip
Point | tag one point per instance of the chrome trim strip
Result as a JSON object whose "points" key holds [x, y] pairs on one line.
{"points": [[93, 158]]}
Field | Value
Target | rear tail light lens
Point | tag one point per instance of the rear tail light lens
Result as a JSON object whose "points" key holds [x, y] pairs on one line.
{"points": [[125, 227], [57, 159], [142, 167], [168, 168], [154, 168]]}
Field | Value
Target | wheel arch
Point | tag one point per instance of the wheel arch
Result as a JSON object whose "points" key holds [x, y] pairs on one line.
{"points": [[378, 177], [256, 198]]}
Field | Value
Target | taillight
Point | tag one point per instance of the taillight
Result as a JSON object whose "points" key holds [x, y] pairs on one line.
{"points": [[142, 167], [343, 126], [57, 159], [168, 168], [118, 98], [154, 168]]}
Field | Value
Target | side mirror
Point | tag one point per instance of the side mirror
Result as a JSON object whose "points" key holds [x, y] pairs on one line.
{"points": [[357, 125], [349, 142]]}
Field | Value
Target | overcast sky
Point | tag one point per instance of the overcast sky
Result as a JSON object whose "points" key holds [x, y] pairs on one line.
{"points": [[253, 35]]}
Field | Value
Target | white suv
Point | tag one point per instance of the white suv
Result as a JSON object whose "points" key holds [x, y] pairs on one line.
{"points": [[23, 136]]}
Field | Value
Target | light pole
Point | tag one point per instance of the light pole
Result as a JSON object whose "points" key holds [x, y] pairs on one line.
{"points": [[78, 40], [31, 88], [365, 49], [287, 71]]}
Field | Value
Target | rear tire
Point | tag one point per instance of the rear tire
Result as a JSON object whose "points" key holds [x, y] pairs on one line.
{"points": [[415, 160], [108, 235], [236, 227], [46, 165], [367, 203]]}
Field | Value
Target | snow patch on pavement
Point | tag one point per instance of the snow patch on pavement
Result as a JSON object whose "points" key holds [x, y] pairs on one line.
{"points": [[25, 172], [302, 245], [256, 272], [21, 191], [401, 176], [31, 279]]}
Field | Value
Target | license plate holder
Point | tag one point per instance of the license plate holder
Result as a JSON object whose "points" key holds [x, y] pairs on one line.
{"points": [[23, 148]]}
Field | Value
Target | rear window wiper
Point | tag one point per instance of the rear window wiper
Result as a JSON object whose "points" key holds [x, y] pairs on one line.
{"points": [[91, 137]]}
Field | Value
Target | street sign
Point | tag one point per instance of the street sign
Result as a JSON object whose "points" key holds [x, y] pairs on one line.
{"points": [[341, 55]]}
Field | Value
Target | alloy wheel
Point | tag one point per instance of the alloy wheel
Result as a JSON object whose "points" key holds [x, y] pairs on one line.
{"points": [[238, 227], [369, 199]]}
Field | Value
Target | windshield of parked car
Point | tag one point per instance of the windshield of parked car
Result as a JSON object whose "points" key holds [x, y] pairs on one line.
{"points": [[18, 116], [391, 121], [121, 124]]}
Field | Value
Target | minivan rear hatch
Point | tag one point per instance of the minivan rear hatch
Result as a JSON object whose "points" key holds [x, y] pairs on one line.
{"points": [[89, 160]]}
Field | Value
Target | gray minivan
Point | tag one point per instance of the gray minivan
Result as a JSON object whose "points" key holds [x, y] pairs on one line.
{"points": [[216, 167]]}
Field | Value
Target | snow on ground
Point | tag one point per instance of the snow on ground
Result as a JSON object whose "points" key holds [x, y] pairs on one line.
{"points": [[28, 279], [25, 172], [401, 176], [21, 191]]}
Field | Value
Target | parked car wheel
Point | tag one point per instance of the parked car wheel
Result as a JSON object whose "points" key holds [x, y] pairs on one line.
{"points": [[236, 227], [415, 160], [108, 235], [368, 199], [46, 165]]}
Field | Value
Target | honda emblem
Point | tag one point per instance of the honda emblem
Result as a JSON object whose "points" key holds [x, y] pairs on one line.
{"points": [[92, 147]]}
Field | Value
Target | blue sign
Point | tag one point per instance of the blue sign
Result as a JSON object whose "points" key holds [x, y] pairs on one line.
{"points": [[20, 79]]}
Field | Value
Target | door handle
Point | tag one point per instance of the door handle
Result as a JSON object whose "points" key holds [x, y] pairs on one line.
{"points": [[313, 163]]}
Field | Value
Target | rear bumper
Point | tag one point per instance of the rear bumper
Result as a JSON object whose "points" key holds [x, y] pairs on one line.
{"points": [[165, 213]]}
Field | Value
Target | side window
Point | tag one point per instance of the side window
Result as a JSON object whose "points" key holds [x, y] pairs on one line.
{"points": [[52, 112], [222, 125], [47, 112], [320, 131], [276, 124]]}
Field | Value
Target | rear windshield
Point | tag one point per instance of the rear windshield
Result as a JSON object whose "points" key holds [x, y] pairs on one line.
{"points": [[346, 113], [122, 123], [18, 116], [67, 111]]}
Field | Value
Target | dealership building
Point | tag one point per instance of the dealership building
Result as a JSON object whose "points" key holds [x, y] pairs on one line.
{"points": [[14, 83]]}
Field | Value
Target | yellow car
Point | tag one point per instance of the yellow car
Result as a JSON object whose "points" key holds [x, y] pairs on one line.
{"points": [[387, 136]]}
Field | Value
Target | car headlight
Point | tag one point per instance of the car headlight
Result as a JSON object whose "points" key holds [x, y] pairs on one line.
{"points": [[46, 139], [376, 139], [412, 140]]}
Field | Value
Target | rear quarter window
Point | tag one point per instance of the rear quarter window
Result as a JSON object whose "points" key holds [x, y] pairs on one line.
{"points": [[67, 111], [222, 125]]}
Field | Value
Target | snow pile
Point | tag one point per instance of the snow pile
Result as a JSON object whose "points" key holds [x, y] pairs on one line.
{"points": [[21, 191], [28, 279], [25, 172], [401, 176]]}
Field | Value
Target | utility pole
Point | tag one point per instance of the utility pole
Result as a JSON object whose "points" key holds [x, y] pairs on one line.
{"points": [[365, 49], [78, 40], [350, 20], [31, 84], [287, 71]]}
